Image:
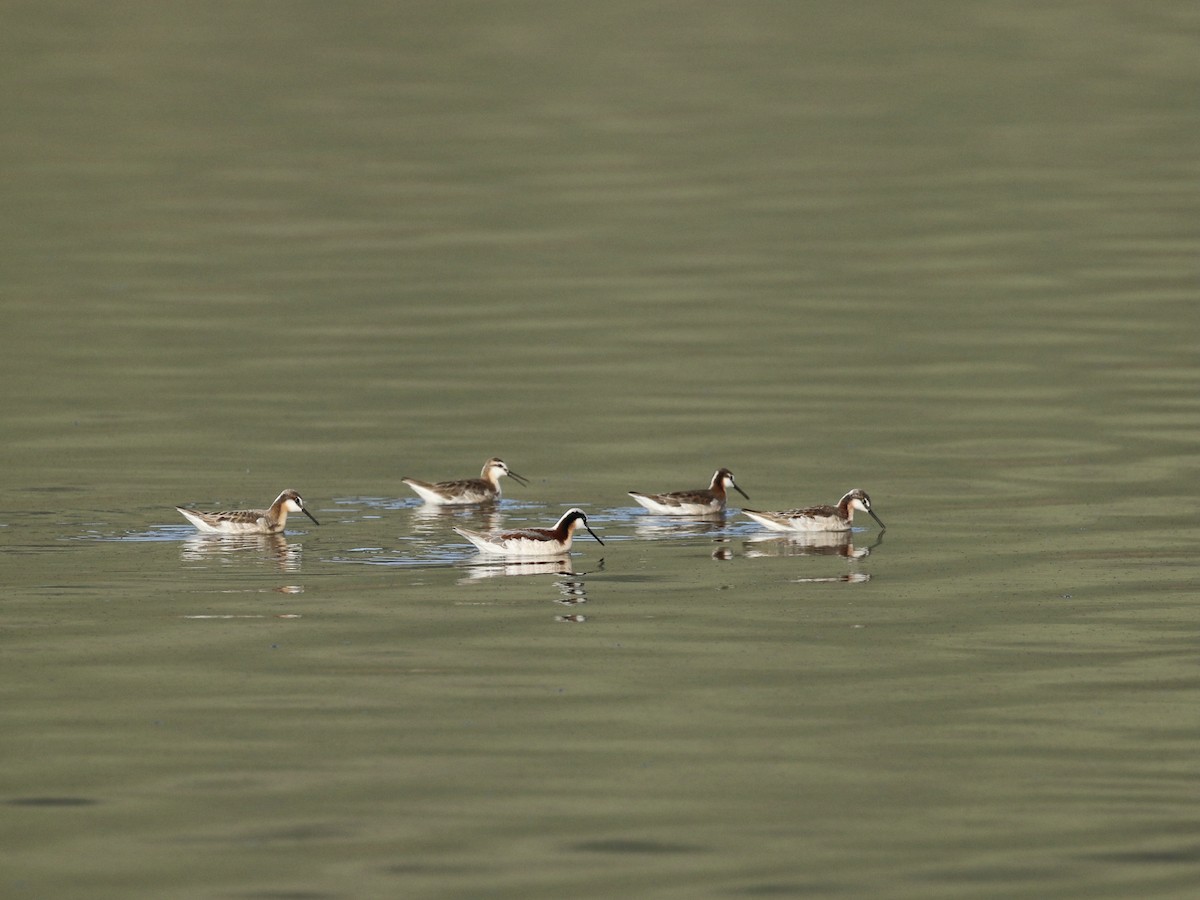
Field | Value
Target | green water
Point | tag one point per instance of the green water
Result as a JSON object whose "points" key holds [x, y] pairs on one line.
{"points": [[943, 252]]}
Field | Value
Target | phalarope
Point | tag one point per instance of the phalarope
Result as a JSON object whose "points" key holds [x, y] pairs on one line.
{"points": [[249, 521], [484, 489], [532, 541], [818, 518], [703, 502]]}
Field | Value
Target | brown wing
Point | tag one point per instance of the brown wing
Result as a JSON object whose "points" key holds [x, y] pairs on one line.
{"points": [[247, 516], [532, 534], [811, 511]]}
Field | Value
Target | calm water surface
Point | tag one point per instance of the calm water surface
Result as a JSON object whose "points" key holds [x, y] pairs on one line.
{"points": [[942, 252]]}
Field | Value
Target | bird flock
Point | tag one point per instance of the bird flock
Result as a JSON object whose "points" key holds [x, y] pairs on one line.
{"points": [[555, 540]]}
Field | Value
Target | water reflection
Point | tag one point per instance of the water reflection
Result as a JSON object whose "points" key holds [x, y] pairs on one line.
{"points": [[436, 520], [848, 577], [573, 592], [837, 543], [658, 527], [229, 549], [571, 585], [476, 571]]}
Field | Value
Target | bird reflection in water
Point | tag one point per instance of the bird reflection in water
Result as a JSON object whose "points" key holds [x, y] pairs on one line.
{"points": [[815, 543], [572, 587], [232, 549], [847, 578], [432, 520], [476, 571], [656, 527], [573, 591]]}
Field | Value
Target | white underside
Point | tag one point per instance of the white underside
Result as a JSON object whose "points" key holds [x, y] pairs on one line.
{"points": [[436, 498], [525, 547], [262, 526], [777, 522], [677, 509]]}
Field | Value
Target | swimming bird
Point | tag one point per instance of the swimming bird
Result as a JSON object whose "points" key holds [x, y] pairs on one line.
{"points": [[818, 518], [703, 502], [484, 489], [532, 541], [249, 521]]}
